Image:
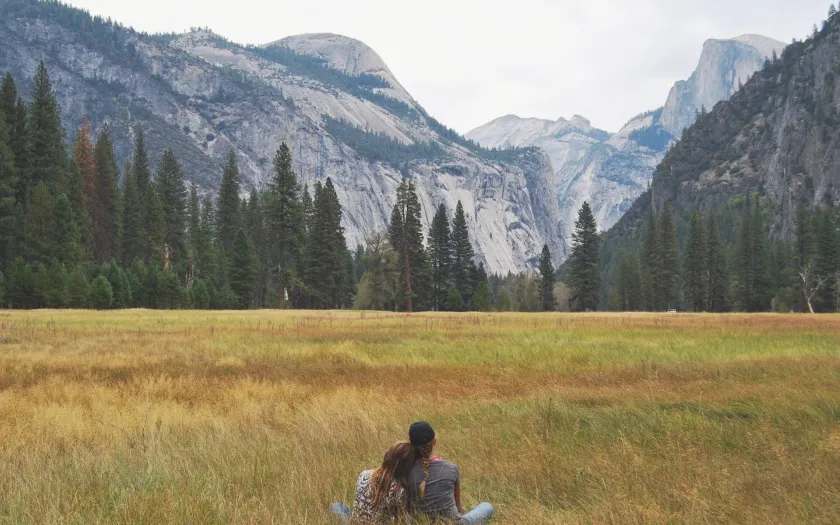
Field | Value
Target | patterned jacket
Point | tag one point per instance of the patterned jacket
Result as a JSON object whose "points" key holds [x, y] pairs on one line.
{"points": [[364, 512]]}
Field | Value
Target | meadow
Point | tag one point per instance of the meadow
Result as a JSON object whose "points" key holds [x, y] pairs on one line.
{"points": [[268, 417]]}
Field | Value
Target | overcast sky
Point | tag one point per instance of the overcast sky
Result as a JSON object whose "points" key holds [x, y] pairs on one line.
{"points": [[470, 61]]}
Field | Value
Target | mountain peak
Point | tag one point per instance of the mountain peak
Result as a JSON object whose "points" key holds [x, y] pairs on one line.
{"points": [[763, 44], [346, 54]]}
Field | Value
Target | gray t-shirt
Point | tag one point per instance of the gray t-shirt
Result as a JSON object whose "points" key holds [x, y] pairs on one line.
{"points": [[439, 500]]}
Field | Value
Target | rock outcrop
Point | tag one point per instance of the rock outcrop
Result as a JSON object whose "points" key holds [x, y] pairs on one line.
{"points": [[611, 170], [331, 98]]}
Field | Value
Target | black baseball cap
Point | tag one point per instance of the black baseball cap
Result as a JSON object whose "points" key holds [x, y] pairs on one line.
{"points": [[421, 433]]}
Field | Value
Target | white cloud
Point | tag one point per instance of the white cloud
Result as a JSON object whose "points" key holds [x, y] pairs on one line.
{"points": [[469, 61]]}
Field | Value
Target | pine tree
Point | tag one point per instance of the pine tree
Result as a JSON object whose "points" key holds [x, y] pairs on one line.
{"points": [[630, 284], [307, 210], [194, 227], [760, 257], [746, 269], [327, 277], [77, 289], [75, 195], [483, 297], [133, 231], [462, 255], [650, 265], [718, 292], [53, 285], [101, 295], [155, 229], [20, 285], [255, 228], [827, 262], [454, 301], [209, 265], [40, 226], [406, 232], [227, 207], [83, 155], [13, 110], [585, 276], [696, 266], [67, 240], [46, 155], [753, 273], [105, 213], [2, 291], [667, 276], [169, 292], [242, 270], [286, 218], [547, 279], [8, 201], [440, 255], [119, 284], [172, 194], [138, 206]]}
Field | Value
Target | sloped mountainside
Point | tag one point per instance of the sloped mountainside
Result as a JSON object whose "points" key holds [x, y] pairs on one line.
{"points": [[778, 137], [331, 98], [611, 170]]}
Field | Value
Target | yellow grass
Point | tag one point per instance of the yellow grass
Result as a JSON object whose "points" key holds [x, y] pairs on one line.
{"points": [[267, 417]]}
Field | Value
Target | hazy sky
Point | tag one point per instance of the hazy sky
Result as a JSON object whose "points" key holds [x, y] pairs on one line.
{"points": [[470, 61]]}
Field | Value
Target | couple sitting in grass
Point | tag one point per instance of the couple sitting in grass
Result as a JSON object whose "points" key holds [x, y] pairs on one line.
{"points": [[412, 485]]}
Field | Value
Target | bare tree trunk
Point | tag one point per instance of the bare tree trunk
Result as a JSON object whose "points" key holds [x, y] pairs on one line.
{"points": [[805, 273]]}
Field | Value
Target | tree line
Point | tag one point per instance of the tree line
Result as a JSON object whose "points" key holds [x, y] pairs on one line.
{"points": [[78, 231], [707, 269]]}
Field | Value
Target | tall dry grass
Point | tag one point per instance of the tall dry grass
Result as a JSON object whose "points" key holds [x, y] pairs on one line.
{"points": [[267, 417]]}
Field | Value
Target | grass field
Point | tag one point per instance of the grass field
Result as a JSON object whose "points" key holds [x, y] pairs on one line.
{"points": [[267, 417]]}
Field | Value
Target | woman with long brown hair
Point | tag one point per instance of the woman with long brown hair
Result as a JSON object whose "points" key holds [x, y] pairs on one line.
{"points": [[381, 494]]}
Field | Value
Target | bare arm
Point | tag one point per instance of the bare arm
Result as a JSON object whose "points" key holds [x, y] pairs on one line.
{"points": [[458, 498]]}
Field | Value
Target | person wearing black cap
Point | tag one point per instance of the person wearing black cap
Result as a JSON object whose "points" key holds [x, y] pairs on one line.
{"points": [[435, 485]]}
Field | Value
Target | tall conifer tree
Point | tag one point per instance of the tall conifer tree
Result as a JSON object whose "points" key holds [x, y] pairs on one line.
{"points": [[548, 302], [47, 156], [406, 235], [8, 201], [105, 214], [718, 277], [40, 226], [242, 270], [585, 276], [13, 110], [440, 256], [463, 255], [285, 218], [696, 266], [827, 262], [650, 264], [327, 276], [133, 231], [172, 193], [630, 283], [227, 207], [83, 155], [668, 266]]}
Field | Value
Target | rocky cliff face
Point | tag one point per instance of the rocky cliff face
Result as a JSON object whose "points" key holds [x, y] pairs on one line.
{"points": [[331, 98], [724, 66], [611, 170], [778, 137]]}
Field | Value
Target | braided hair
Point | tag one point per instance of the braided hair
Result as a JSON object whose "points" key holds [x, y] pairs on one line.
{"points": [[423, 454]]}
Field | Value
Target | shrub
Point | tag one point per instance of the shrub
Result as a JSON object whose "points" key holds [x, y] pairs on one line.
{"points": [[101, 295], [77, 289], [454, 301]]}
